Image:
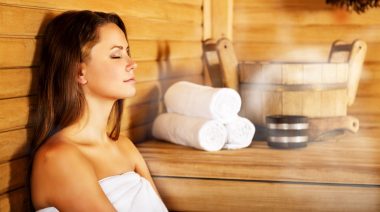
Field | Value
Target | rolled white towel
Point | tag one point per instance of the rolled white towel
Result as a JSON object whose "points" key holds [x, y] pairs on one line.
{"points": [[202, 101], [200, 133], [240, 133]]}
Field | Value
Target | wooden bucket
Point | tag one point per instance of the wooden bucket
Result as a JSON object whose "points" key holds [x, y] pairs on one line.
{"points": [[308, 89]]}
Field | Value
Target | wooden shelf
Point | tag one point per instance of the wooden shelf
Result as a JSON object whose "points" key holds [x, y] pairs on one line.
{"points": [[318, 177]]}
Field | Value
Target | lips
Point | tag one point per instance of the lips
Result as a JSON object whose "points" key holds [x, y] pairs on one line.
{"points": [[132, 79]]}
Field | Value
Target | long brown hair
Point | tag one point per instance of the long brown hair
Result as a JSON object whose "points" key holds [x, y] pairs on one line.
{"points": [[66, 43]]}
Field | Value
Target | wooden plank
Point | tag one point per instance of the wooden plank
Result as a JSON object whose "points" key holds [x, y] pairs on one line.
{"points": [[306, 34], [207, 20], [165, 50], [365, 106], [141, 114], [292, 104], [14, 144], [24, 21], [301, 16], [138, 28], [140, 50], [146, 71], [197, 3], [162, 30], [369, 88], [9, 47], [146, 9], [17, 200], [16, 82], [14, 113], [138, 134], [280, 4], [321, 162], [221, 19], [152, 70], [13, 174], [186, 194], [306, 52], [371, 71]]}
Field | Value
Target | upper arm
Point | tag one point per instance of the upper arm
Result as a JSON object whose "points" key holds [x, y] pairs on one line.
{"points": [[63, 178]]}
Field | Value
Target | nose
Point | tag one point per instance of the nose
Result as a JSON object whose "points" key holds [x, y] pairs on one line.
{"points": [[131, 65]]}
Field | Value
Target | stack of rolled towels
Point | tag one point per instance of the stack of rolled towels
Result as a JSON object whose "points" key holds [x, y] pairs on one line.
{"points": [[203, 117]]}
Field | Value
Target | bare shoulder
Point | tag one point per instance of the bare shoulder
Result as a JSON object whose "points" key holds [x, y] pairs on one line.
{"points": [[58, 156], [61, 174], [52, 165], [128, 146]]}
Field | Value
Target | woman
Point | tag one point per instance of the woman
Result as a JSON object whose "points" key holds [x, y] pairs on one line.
{"points": [[81, 163]]}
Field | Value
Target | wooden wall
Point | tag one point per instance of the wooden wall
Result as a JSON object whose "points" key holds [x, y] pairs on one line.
{"points": [[297, 30], [165, 38]]}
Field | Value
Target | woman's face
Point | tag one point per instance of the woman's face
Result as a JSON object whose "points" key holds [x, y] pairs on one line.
{"points": [[109, 71]]}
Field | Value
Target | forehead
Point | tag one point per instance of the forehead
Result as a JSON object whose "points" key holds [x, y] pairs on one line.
{"points": [[111, 34]]}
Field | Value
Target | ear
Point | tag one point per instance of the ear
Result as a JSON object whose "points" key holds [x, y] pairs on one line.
{"points": [[82, 74]]}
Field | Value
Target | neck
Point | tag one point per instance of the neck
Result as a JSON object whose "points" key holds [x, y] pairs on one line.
{"points": [[92, 127]]}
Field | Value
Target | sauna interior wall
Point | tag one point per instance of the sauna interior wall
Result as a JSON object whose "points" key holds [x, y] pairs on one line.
{"points": [[297, 30], [165, 39]]}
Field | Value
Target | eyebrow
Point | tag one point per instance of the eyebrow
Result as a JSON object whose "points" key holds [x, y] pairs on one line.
{"points": [[119, 47]]}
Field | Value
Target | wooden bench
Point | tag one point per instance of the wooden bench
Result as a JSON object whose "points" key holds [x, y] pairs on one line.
{"points": [[339, 175]]}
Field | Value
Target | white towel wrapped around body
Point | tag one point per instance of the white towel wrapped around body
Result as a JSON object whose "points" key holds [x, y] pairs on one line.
{"points": [[127, 192], [202, 101], [240, 133], [200, 133]]}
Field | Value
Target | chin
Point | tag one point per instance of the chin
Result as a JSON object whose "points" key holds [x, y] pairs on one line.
{"points": [[130, 93]]}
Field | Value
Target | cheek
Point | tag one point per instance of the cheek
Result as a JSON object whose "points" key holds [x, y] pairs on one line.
{"points": [[105, 73]]}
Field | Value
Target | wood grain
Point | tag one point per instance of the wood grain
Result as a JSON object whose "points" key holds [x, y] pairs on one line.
{"points": [[17, 200], [186, 12], [325, 162], [186, 194], [14, 144], [13, 174]]}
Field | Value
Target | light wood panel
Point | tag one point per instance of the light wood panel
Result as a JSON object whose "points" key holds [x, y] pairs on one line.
{"points": [[16, 82], [151, 70], [190, 2], [189, 12], [14, 144], [306, 52], [371, 71], [13, 174], [145, 9], [306, 34], [324, 162], [14, 113], [302, 16], [12, 48], [164, 50], [140, 50], [138, 134], [186, 194], [369, 88], [365, 106], [14, 201], [137, 28], [280, 4]]}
